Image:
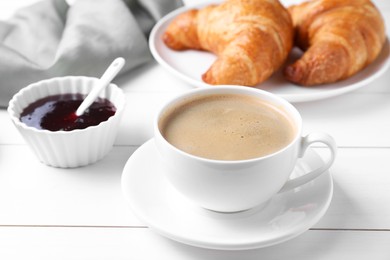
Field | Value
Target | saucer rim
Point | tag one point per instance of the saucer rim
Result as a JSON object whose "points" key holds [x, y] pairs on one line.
{"points": [[216, 245]]}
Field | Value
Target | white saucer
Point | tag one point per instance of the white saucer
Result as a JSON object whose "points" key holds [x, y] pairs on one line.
{"points": [[177, 62], [167, 212]]}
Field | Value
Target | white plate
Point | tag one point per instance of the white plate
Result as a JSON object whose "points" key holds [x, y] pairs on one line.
{"points": [[190, 65], [166, 211]]}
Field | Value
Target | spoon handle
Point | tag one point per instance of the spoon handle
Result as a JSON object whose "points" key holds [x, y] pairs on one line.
{"points": [[106, 78]]}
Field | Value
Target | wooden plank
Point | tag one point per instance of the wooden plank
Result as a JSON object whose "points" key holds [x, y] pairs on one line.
{"points": [[34, 194], [123, 243], [355, 120]]}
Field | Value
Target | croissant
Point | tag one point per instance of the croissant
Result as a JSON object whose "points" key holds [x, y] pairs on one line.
{"points": [[339, 37], [251, 38]]}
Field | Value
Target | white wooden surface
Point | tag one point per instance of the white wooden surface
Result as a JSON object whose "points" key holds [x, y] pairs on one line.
{"points": [[49, 213]]}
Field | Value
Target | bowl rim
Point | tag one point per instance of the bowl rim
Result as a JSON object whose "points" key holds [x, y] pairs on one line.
{"points": [[13, 114]]}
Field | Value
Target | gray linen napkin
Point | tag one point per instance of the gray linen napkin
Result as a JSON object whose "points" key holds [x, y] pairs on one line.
{"points": [[50, 39]]}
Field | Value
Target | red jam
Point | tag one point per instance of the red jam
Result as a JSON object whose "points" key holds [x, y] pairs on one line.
{"points": [[58, 113]]}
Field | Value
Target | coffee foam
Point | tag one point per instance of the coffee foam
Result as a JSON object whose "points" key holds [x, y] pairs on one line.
{"points": [[227, 127]]}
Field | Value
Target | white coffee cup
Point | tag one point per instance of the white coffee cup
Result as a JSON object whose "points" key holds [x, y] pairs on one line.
{"points": [[238, 185]]}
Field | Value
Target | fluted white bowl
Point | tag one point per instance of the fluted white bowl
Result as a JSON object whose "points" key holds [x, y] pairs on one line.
{"points": [[68, 149]]}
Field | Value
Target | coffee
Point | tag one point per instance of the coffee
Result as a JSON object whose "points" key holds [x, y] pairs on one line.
{"points": [[227, 127]]}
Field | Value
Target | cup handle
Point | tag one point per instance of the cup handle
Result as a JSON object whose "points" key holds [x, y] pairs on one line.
{"points": [[305, 143]]}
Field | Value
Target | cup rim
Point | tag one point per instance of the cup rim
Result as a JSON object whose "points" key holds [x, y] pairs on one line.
{"points": [[229, 89], [12, 113]]}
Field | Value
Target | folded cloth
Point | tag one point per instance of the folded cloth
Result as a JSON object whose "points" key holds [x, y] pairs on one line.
{"points": [[51, 39]]}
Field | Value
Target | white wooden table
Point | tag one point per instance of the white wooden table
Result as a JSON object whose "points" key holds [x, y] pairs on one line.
{"points": [[49, 213]]}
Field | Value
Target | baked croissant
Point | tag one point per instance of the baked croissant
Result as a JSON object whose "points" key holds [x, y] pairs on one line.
{"points": [[251, 38], [339, 37]]}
